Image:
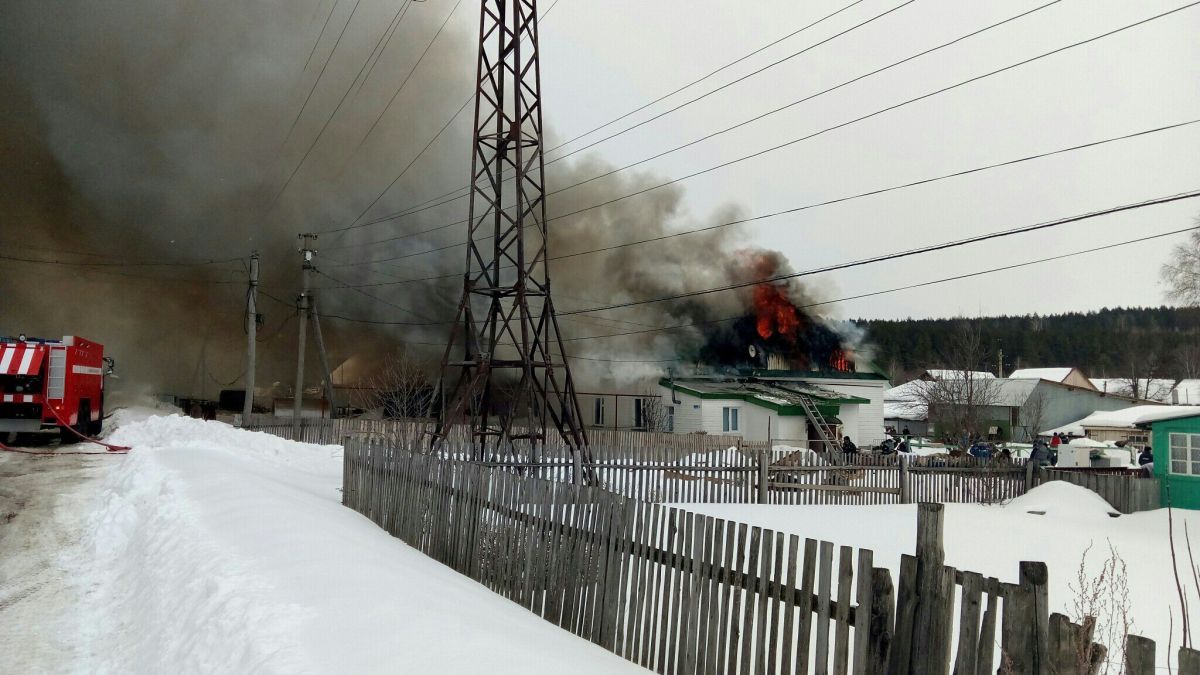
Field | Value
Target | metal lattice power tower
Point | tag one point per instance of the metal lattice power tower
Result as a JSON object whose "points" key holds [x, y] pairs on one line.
{"points": [[512, 383]]}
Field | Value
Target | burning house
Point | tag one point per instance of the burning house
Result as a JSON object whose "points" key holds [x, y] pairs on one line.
{"points": [[775, 372]]}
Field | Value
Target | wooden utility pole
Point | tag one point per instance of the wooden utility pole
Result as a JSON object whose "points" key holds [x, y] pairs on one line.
{"points": [[306, 253], [326, 377], [251, 338]]}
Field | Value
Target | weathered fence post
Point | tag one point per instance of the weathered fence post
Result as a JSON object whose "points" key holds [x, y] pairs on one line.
{"points": [[1031, 475], [905, 486], [932, 623], [882, 622], [764, 460], [577, 466], [1189, 661], [1036, 577], [1139, 655]]}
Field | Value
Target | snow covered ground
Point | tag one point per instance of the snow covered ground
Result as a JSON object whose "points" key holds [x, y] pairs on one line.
{"points": [[211, 549], [992, 540]]}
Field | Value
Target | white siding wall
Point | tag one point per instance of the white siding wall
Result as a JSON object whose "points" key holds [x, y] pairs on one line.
{"points": [[687, 411], [867, 426]]}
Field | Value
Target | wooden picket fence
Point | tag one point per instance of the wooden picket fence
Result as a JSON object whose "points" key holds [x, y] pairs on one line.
{"points": [[678, 592], [1127, 492]]}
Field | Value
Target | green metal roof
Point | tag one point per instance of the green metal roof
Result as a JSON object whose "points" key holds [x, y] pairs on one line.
{"points": [[783, 398]]}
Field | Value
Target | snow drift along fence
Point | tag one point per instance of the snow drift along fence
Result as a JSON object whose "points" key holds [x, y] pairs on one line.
{"points": [[1127, 492], [687, 593], [679, 592]]}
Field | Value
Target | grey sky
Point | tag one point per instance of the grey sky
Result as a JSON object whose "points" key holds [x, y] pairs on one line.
{"points": [[603, 58]]}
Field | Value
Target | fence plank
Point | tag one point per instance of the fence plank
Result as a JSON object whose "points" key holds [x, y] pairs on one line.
{"points": [[789, 608], [1139, 655], [841, 639], [967, 658], [824, 584], [880, 632]]}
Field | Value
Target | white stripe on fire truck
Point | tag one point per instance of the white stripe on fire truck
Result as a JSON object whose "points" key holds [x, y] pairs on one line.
{"points": [[26, 361], [6, 357], [29, 398], [8, 398]]}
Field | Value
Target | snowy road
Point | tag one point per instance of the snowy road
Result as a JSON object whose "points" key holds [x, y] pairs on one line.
{"points": [[42, 501], [209, 549]]}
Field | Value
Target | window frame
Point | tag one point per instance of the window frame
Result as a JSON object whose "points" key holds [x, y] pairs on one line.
{"points": [[1190, 445], [598, 412], [731, 419]]}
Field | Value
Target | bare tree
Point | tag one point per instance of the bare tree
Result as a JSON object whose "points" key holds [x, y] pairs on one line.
{"points": [[1145, 370], [1101, 604], [1033, 413], [1181, 272], [959, 402], [1187, 358], [655, 414], [399, 389]]}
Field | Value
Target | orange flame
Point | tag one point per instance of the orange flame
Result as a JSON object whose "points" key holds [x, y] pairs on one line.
{"points": [[774, 312]]}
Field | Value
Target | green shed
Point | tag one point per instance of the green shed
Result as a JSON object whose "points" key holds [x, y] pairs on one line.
{"points": [[1176, 445]]}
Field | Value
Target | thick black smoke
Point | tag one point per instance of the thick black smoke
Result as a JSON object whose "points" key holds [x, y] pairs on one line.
{"points": [[159, 129]]}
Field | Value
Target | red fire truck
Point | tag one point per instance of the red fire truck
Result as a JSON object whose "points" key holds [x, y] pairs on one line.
{"points": [[51, 385]]}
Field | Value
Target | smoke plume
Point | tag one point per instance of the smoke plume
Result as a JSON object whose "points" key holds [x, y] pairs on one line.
{"points": [[163, 130]]}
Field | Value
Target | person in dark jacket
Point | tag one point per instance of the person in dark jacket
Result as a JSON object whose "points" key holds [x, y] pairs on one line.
{"points": [[848, 446], [1146, 460], [1040, 455], [980, 450]]}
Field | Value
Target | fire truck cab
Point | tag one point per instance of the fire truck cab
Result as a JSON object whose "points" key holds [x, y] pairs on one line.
{"points": [[51, 385]]}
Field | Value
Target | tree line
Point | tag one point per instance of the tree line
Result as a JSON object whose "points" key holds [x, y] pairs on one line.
{"points": [[1139, 342]]}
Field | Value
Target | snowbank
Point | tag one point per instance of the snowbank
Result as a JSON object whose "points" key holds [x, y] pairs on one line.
{"points": [[214, 549], [1054, 523]]}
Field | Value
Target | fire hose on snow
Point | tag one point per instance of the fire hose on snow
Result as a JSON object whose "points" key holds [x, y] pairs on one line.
{"points": [[110, 448]]}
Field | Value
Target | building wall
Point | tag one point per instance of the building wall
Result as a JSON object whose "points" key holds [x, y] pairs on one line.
{"points": [[1183, 491], [863, 423], [1077, 379], [694, 414], [1064, 405]]}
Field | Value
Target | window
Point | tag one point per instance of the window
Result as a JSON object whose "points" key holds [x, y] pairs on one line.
{"points": [[1185, 454], [598, 412], [670, 419], [729, 419], [1139, 439], [639, 413]]}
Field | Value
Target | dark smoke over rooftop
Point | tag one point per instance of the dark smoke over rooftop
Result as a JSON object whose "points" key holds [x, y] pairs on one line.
{"points": [[155, 129]]}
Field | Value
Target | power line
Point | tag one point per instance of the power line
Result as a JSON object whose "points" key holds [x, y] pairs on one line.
{"points": [[436, 136], [376, 298], [821, 132], [329, 120], [389, 33], [354, 224], [407, 77], [805, 207], [120, 263], [321, 74], [943, 280], [902, 254], [728, 65], [847, 265], [322, 33]]}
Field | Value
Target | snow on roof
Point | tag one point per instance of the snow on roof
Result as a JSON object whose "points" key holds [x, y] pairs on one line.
{"points": [[1150, 389], [1052, 374], [909, 391], [1128, 418], [943, 374], [904, 410], [1186, 392]]}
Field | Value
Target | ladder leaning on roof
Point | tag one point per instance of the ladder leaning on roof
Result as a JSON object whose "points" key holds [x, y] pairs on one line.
{"points": [[825, 433]]}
